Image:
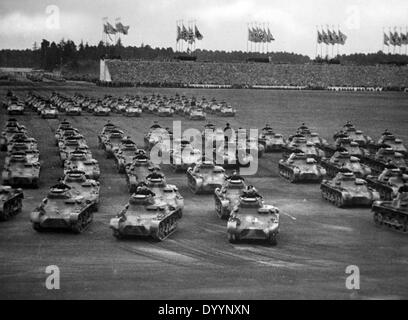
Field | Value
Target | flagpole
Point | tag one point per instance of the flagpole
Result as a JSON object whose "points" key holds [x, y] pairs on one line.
{"points": [[406, 40], [317, 43]]}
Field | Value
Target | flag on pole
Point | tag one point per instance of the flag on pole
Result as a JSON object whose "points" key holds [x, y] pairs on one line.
{"points": [[270, 37], [319, 37], [109, 29], [404, 38], [178, 34], [198, 34], [386, 39], [342, 38], [332, 36], [184, 33], [392, 40], [325, 37], [121, 28], [397, 39], [190, 35]]}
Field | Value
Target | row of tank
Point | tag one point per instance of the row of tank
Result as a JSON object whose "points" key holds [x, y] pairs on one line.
{"points": [[154, 207], [12, 104], [247, 214], [345, 180], [11, 199], [22, 161], [71, 203], [132, 106]]}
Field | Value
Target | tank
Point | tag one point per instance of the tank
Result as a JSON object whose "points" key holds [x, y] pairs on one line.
{"points": [[82, 186], [101, 110], [62, 209], [299, 167], [155, 135], [133, 111], [15, 108], [273, 142], [112, 143], [7, 135], [143, 216], [205, 177], [252, 219], [11, 202], [182, 160], [70, 145], [359, 137], [388, 182], [252, 145], [20, 172], [226, 111], [197, 114], [73, 110], [137, 171], [385, 156], [164, 192], [21, 142], [49, 113], [103, 135], [387, 139], [83, 161], [342, 159], [63, 134], [125, 153], [165, 111], [32, 156], [346, 190], [228, 196], [394, 213]]}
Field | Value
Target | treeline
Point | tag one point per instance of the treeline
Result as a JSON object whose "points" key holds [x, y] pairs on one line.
{"points": [[51, 55]]}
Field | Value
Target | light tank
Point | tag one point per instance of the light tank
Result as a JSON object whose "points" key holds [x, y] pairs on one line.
{"points": [[197, 114], [205, 177], [394, 213], [252, 219], [83, 161], [11, 202], [164, 192], [15, 108], [346, 190], [137, 171], [299, 167], [101, 110], [388, 182], [385, 156], [125, 153], [70, 145], [113, 142], [133, 111], [143, 216], [228, 196], [20, 172], [342, 159], [61, 209], [273, 142], [82, 186], [102, 136]]}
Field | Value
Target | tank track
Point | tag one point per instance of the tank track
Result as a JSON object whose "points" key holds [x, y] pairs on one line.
{"points": [[167, 226], [11, 208], [391, 218], [332, 196]]}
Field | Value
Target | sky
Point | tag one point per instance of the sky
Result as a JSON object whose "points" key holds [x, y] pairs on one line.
{"points": [[223, 23]]}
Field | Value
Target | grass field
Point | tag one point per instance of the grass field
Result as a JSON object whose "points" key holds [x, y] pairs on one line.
{"points": [[196, 262]]}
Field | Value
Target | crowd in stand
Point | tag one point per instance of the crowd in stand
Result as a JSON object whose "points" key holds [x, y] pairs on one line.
{"points": [[261, 74]]}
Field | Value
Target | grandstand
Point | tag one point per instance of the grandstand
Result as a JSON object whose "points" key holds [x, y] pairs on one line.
{"points": [[318, 76]]}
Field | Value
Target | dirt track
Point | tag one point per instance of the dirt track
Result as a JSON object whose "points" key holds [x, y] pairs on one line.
{"points": [[197, 262]]}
